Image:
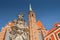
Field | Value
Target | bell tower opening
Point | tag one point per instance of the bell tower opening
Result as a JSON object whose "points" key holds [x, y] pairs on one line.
{"points": [[32, 14]]}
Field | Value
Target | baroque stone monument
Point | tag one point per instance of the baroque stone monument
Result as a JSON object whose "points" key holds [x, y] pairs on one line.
{"points": [[19, 31]]}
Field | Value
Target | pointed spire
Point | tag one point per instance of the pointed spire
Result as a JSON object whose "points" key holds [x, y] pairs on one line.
{"points": [[30, 8]]}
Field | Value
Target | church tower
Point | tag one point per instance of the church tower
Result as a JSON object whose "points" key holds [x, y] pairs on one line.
{"points": [[33, 33], [31, 16]]}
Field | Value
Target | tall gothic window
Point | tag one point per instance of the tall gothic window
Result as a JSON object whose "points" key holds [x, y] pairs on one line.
{"points": [[59, 35], [50, 38], [32, 14]]}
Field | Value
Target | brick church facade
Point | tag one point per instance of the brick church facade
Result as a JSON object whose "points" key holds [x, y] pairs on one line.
{"points": [[33, 31]]}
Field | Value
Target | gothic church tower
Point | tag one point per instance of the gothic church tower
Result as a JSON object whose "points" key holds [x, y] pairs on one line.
{"points": [[31, 16], [33, 33]]}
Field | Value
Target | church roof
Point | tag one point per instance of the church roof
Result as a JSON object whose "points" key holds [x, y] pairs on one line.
{"points": [[40, 24]]}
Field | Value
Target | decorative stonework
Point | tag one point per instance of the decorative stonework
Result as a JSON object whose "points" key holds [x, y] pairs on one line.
{"points": [[18, 31]]}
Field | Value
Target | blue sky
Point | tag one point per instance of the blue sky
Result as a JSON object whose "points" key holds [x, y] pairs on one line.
{"points": [[47, 11]]}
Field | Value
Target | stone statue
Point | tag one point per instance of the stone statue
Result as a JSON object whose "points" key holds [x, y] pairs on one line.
{"points": [[19, 31]]}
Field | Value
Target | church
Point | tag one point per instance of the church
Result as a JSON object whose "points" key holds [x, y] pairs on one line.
{"points": [[34, 30]]}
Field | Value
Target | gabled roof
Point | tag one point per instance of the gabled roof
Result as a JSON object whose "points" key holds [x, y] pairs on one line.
{"points": [[40, 24], [50, 31], [56, 25]]}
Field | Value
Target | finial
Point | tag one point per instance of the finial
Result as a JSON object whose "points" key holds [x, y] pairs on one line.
{"points": [[20, 16], [30, 8]]}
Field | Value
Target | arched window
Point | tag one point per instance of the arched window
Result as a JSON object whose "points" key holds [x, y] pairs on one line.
{"points": [[32, 14], [50, 38], [59, 35]]}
